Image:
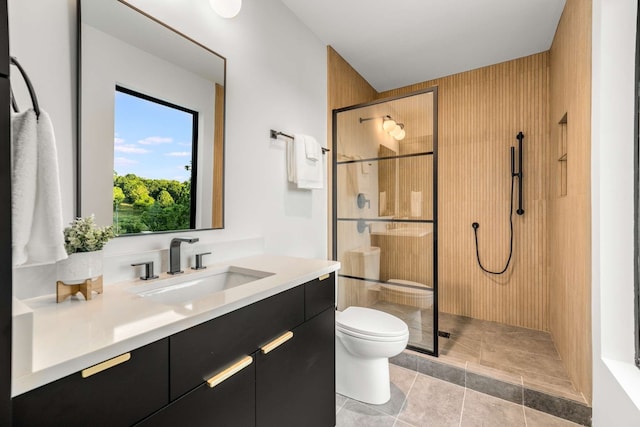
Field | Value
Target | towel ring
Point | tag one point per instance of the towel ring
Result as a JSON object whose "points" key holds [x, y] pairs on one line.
{"points": [[32, 92]]}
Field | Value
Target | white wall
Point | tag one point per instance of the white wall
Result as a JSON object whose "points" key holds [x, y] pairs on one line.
{"points": [[276, 78], [616, 381]]}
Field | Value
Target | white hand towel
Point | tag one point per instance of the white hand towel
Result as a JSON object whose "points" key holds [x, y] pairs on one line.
{"points": [[312, 149], [36, 206], [416, 204], [291, 166], [382, 203], [363, 181], [309, 173]]}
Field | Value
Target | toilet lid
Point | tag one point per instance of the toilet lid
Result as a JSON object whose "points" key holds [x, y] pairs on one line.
{"points": [[367, 321]]}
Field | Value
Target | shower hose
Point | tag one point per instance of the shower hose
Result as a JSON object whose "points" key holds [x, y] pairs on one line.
{"points": [[475, 226]]}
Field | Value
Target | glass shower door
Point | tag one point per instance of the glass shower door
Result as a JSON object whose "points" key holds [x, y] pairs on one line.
{"points": [[385, 210]]}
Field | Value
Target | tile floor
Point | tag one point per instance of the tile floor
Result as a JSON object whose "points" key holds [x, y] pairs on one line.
{"points": [[421, 400], [509, 353]]}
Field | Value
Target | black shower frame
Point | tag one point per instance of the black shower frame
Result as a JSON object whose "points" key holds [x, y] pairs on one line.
{"points": [[636, 195], [434, 221]]}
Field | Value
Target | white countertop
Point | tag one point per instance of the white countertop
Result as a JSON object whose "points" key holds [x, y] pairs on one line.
{"points": [[76, 334]]}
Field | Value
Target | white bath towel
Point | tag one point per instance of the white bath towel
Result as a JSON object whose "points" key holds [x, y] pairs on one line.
{"points": [[416, 204], [36, 205]]}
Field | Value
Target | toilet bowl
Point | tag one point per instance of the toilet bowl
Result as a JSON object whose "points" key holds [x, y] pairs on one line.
{"points": [[365, 339]]}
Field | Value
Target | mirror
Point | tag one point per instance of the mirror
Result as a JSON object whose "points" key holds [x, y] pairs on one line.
{"points": [[151, 123]]}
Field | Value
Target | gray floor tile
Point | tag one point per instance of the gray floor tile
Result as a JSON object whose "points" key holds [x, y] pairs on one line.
{"points": [[432, 402], [444, 371], [541, 419], [482, 410], [552, 385], [536, 342], [493, 387], [356, 414], [401, 381], [522, 362], [406, 359], [340, 401]]}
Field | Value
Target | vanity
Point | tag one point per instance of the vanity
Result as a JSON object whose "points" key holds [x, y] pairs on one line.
{"points": [[255, 354]]}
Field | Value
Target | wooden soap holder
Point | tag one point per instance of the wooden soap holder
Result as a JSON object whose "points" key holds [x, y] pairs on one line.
{"points": [[64, 291]]}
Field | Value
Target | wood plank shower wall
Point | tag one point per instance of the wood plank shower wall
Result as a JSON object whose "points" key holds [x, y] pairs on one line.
{"points": [[479, 114], [569, 243]]}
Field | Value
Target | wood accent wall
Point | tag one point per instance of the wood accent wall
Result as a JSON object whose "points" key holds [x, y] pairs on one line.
{"points": [[569, 217], [345, 87], [479, 114], [218, 160]]}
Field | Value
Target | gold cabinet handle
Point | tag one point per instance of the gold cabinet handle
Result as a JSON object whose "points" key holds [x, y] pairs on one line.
{"points": [[105, 365], [230, 371], [277, 342], [324, 276]]}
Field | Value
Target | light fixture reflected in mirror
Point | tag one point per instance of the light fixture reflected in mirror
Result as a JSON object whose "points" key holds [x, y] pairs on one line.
{"points": [[226, 8], [390, 126]]}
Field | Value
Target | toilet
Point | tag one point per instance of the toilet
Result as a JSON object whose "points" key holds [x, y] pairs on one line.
{"points": [[366, 339], [412, 294]]}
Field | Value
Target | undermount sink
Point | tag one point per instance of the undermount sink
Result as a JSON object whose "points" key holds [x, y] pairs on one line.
{"points": [[182, 289]]}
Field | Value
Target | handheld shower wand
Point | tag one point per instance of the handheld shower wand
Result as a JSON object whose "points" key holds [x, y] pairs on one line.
{"points": [[520, 210]]}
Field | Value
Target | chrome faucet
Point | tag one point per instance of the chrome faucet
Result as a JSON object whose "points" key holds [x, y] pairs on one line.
{"points": [[174, 253]]}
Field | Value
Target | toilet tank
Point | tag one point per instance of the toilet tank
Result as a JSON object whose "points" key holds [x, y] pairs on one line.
{"points": [[365, 262]]}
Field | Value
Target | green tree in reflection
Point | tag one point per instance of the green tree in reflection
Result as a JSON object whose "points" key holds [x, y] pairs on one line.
{"points": [[143, 204]]}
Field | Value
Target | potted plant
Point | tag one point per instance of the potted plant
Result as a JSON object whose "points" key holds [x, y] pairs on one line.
{"points": [[83, 241]]}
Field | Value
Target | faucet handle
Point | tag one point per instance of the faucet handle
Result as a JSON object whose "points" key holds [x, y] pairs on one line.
{"points": [[199, 265], [148, 270]]}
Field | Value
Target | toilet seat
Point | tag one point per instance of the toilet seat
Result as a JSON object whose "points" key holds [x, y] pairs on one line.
{"points": [[369, 324]]}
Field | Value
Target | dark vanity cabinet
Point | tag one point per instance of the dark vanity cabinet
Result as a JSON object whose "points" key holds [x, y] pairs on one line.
{"points": [[117, 392], [290, 341], [271, 363]]}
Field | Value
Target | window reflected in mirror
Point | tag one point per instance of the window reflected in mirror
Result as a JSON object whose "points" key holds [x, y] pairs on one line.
{"points": [[154, 169]]}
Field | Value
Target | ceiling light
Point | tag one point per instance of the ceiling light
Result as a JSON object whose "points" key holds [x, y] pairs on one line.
{"points": [[226, 8]]}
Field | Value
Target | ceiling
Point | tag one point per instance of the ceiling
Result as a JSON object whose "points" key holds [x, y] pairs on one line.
{"points": [[397, 43]]}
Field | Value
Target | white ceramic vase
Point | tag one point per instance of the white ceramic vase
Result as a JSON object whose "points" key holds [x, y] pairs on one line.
{"points": [[80, 267]]}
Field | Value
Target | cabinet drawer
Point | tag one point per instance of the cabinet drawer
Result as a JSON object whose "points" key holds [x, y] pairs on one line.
{"points": [[319, 295], [230, 403], [200, 351], [117, 396]]}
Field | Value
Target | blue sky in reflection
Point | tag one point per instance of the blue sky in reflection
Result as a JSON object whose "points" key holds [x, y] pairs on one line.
{"points": [[151, 140]]}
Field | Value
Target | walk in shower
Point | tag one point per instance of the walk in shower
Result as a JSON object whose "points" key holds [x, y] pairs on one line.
{"points": [[385, 210]]}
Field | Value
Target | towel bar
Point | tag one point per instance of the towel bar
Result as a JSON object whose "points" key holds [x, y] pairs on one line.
{"points": [[273, 134]]}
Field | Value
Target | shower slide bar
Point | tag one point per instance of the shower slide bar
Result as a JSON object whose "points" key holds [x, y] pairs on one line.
{"points": [[518, 174], [273, 134]]}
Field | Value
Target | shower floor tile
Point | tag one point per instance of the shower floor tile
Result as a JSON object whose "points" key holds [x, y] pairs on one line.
{"points": [[518, 355], [524, 355]]}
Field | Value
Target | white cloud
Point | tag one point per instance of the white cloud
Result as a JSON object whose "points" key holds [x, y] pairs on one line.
{"points": [[184, 144], [130, 149], [155, 140], [117, 140], [123, 161], [179, 154]]}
